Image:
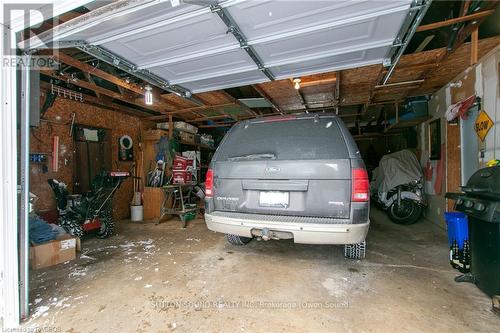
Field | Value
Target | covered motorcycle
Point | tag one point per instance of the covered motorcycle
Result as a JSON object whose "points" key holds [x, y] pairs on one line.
{"points": [[397, 185]]}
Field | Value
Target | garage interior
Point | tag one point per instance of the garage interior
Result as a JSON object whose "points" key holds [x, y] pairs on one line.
{"points": [[143, 81]]}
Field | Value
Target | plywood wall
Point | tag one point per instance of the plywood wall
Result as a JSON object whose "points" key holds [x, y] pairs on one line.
{"points": [[482, 80], [59, 117]]}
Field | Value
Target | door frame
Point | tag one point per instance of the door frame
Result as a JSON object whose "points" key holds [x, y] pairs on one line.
{"points": [[14, 189]]}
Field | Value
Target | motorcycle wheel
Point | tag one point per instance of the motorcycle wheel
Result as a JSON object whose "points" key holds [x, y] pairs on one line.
{"points": [[407, 213]]}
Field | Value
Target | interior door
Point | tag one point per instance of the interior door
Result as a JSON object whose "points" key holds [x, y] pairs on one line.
{"points": [[91, 156]]}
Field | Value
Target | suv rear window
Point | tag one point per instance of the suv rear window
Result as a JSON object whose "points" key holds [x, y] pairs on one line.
{"points": [[298, 139]]}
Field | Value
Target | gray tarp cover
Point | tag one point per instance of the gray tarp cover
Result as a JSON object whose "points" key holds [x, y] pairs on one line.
{"points": [[395, 169]]}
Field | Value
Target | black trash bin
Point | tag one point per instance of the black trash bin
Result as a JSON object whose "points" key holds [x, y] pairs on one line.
{"points": [[481, 202]]}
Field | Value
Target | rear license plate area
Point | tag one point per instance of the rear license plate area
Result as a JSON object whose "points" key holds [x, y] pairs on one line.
{"points": [[274, 199]]}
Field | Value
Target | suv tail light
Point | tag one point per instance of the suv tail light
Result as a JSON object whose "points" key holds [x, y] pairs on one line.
{"points": [[209, 183], [360, 185]]}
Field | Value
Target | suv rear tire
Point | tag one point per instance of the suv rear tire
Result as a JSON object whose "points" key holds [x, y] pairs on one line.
{"points": [[355, 251], [237, 240]]}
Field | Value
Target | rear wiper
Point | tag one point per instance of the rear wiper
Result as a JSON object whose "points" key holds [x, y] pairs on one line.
{"points": [[269, 156]]}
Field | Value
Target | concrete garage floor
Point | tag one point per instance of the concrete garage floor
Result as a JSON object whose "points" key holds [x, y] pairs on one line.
{"points": [[162, 278]]}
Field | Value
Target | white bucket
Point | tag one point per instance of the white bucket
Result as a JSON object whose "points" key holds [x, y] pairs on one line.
{"points": [[136, 213]]}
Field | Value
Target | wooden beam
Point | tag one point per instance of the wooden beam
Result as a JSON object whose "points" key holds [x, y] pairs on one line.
{"points": [[91, 80], [225, 124], [265, 95], [310, 83], [84, 67], [465, 18], [404, 83], [222, 116], [91, 70], [170, 127], [239, 103], [81, 84], [465, 7], [372, 86], [97, 89], [87, 99], [192, 109], [415, 67], [337, 92], [474, 46]]}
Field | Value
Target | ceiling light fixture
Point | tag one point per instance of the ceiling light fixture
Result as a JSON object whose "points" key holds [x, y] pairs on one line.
{"points": [[296, 83], [148, 95]]}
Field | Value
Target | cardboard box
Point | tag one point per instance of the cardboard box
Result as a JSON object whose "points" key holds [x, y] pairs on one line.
{"points": [[187, 137], [154, 135], [181, 176], [53, 252]]}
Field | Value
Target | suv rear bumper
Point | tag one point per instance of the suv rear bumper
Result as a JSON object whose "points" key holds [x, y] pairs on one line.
{"points": [[304, 233]]}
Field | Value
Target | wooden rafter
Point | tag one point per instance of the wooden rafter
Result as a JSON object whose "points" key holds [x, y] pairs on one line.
{"points": [[87, 99], [474, 45], [225, 124], [462, 36], [206, 118], [456, 20], [337, 92], [160, 104], [99, 90], [266, 96], [471, 26], [191, 110], [84, 67], [239, 103]]}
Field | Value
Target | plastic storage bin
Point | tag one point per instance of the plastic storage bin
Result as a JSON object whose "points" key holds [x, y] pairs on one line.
{"points": [[458, 238], [458, 228]]}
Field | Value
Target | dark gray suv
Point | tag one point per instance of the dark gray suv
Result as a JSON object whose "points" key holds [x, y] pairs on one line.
{"points": [[296, 176]]}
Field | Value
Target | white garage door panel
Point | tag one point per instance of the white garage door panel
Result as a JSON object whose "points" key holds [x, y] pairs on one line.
{"points": [[259, 19], [228, 81], [147, 16], [206, 67], [337, 62], [190, 46], [364, 34], [174, 40]]}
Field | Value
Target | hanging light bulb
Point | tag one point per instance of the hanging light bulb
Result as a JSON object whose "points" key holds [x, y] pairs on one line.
{"points": [[296, 83], [148, 95]]}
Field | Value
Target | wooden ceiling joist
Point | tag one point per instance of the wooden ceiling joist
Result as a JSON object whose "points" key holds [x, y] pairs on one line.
{"points": [[91, 100], [456, 20], [224, 124], [84, 67], [266, 97], [99, 90], [239, 103]]}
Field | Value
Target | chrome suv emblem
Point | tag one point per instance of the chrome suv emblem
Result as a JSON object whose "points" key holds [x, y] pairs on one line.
{"points": [[273, 169]]}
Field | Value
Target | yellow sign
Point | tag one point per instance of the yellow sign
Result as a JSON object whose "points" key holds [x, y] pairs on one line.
{"points": [[483, 125]]}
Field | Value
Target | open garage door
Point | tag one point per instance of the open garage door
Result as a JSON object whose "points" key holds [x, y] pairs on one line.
{"points": [[198, 46]]}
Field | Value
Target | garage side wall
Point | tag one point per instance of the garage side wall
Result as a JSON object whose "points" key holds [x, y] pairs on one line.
{"points": [[434, 170], [482, 80], [59, 119]]}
